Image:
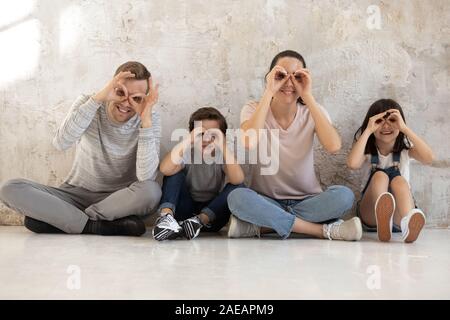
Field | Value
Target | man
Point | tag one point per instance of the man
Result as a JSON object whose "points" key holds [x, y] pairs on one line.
{"points": [[112, 181]]}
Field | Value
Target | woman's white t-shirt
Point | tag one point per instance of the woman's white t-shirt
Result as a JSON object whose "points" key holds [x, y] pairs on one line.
{"points": [[295, 177]]}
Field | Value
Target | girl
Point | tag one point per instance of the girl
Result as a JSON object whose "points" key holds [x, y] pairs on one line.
{"points": [[384, 147], [291, 200], [192, 190]]}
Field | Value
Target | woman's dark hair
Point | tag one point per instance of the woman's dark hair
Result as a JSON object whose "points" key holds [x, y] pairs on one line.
{"points": [[208, 113], [377, 107], [287, 54]]}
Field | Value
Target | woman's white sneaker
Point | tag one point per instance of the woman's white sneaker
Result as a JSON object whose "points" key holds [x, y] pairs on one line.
{"points": [[242, 229], [350, 230]]}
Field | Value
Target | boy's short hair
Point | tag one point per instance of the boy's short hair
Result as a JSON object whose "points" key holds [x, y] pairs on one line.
{"points": [[208, 113]]}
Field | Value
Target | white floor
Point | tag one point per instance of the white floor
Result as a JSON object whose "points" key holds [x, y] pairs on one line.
{"points": [[212, 267]]}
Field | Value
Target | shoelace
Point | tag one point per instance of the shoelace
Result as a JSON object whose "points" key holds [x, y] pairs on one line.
{"points": [[169, 222], [257, 231], [330, 229], [197, 220]]}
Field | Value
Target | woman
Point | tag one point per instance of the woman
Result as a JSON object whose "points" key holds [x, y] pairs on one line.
{"points": [[291, 200]]}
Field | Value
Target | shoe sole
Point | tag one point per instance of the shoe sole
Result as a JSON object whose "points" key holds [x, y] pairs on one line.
{"points": [[232, 226], [131, 226], [189, 231], [384, 210], [357, 223], [138, 229], [165, 234], [415, 225]]}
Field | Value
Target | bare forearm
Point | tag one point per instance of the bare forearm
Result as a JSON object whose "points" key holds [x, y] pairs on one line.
{"points": [[233, 169], [146, 123], [327, 134], [172, 162], [422, 152], [251, 127], [356, 157], [259, 117]]}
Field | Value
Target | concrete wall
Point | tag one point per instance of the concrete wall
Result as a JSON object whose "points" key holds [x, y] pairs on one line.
{"points": [[216, 53]]}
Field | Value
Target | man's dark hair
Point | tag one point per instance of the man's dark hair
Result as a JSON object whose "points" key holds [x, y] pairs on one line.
{"points": [[137, 68]]}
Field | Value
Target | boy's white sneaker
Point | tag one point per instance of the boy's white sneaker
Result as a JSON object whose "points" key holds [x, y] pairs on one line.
{"points": [[166, 228]]}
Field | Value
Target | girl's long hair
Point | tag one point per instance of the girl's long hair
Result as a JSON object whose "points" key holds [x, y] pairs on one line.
{"points": [[377, 107]]}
